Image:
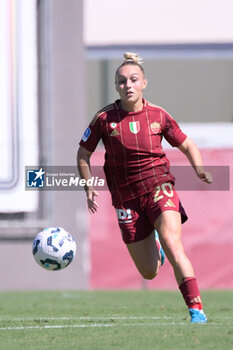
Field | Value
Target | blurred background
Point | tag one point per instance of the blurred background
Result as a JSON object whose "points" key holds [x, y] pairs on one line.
{"points": [[57, 64]]}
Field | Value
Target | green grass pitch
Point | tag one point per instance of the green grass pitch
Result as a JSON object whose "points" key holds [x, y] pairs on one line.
{"points": [[112, 320]]}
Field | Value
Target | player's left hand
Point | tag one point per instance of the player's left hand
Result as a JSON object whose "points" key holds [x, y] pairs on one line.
{"points": [[205, 176]]}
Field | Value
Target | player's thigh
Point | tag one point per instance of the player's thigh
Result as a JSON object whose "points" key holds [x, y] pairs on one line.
{"points": [[145, 256], [168, 225]]}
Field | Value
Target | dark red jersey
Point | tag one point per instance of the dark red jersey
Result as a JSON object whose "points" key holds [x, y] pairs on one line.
{"points": [[134, 160]]}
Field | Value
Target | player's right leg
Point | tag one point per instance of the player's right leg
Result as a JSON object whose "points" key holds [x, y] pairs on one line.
{"points": [[139, 236], [160, 248]]}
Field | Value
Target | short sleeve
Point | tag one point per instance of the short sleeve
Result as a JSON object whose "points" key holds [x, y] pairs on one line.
{"points": [[92, 135], [172, 132]]}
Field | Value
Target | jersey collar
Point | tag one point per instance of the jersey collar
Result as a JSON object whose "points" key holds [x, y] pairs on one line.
{"points": [[122, 111]]}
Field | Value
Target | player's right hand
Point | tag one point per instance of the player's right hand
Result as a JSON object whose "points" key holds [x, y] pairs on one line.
{"points": [[91, 203]]}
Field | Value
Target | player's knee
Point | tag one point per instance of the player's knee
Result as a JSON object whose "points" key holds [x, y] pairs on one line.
{"points": [[149, 274]]}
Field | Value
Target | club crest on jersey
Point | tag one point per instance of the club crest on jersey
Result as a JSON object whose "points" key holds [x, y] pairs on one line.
{"points": [[134, 127], [155, 127]]}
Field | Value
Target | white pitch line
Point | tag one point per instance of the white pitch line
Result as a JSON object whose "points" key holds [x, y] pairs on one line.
{"points": [[96, 318], [89, 318], [173, 322], [89, 325], [54, 327], [99, 325]]}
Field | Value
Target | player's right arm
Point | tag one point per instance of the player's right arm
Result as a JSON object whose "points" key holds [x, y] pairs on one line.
{"points": [[88, 144], [83, 163]]}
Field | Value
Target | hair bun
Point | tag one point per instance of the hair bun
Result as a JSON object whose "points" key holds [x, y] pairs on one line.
{"points": [[133, 57]]}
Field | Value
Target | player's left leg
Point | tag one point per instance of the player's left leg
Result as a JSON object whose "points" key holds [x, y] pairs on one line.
{"points": [[146, 256], [168, 224]]}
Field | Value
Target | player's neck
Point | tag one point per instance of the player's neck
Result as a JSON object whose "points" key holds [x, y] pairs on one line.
{"points": [[132, 107]]}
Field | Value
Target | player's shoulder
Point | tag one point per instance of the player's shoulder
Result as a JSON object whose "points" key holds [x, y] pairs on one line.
{"points": [[102, 113], [156, 107], [162, 111]]}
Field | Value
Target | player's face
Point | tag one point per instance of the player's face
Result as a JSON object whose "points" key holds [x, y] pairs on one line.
{"points": [[130, 83]]}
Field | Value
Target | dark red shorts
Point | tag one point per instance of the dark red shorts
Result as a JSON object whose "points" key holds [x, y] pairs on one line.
{"points": [[137, 217]]}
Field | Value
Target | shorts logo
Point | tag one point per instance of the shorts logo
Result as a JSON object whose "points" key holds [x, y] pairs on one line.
{"points": [[169, 203], [134, 127], [155, 127], [35, 178], [86, 134], [124, 216]]}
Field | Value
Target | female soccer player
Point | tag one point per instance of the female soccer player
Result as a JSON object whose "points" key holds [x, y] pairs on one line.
{"points": [[138, 177]]}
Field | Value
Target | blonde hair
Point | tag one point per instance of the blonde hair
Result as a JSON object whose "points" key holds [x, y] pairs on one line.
{"points": [[131, 58]]}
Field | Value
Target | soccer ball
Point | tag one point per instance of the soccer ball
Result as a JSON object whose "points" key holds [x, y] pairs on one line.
{"points": [[53, 248]]}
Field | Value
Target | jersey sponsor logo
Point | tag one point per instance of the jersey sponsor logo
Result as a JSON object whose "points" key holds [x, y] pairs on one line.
{"points": [[134, 127], [155, 127], [124, 216], [115, 132], [86, 134]]}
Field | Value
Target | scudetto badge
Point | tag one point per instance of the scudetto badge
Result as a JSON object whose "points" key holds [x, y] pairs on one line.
{"points": [[134, 127]]}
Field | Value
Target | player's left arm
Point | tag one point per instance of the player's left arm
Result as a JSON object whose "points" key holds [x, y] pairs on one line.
{"points": [[190, 149]]}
